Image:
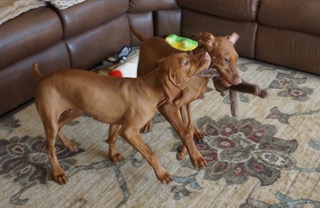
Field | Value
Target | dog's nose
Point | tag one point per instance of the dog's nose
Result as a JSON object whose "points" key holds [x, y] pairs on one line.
{"points": [[206, 55]]}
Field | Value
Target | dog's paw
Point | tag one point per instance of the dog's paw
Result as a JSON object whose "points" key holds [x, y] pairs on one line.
{"points": [[164, 177], [60, 178], [263, 94], [199, 162], [73, 147], [181, 152], [198, 135], [146, 129], [116, 158]]}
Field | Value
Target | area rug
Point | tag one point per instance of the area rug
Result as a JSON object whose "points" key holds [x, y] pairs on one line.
{"points": [[269, 156]]}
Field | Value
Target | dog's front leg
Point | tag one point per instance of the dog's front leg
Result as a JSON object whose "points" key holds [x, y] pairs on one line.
{"points": [[185, 113], [171, 113], [191, 92], [133, 137]]}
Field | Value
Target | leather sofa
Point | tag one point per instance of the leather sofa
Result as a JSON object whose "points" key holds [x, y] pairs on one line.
{"points": [[284, 32]]}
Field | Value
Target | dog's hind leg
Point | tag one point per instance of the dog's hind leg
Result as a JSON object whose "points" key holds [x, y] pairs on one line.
{"points": [[114, 155], [51, 130], [146, 128], [65, 118], [72, 147]]}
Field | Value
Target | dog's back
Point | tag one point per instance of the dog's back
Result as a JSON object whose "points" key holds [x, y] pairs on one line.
{"points": [[151, 50]]}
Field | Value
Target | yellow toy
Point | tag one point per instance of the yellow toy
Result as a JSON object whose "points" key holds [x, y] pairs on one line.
{"points": [[181, 43]]}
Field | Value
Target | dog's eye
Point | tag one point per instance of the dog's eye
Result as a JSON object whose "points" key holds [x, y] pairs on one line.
{"points": [[186, 63], [227, 59]]}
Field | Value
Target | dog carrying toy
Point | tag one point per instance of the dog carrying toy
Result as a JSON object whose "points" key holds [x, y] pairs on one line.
{"points": [[181, 43]]}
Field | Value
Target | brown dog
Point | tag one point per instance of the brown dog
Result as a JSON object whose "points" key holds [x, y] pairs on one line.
{"points": [[223, 58], [65, 95]]}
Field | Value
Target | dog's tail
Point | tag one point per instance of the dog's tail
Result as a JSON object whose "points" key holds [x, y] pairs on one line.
{"points": [[137, 34], [36, 72]]}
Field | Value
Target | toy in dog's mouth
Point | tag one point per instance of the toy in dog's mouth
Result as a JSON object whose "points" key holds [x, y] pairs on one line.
{"points": [[224, 82], [209, 73], [213, 73]]}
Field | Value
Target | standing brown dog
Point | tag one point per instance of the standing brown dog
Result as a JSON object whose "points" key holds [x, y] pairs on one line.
{"points": [[223, 58], [65, 95]]}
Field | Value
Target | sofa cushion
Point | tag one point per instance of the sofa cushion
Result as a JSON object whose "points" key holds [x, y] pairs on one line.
{"points": [[289, 48], [299, 15], [244, 10], [28, 34], [143, 23], [89, 14], [221, 27], [167, 22], [151, 5], [89, 48], [18, 84]]}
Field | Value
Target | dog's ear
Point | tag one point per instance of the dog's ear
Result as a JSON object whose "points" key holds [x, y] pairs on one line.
{"points": [[206, 40], [233, 37], [172, 91]]}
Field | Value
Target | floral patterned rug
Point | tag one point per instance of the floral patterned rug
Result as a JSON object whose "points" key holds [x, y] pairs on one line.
{"points": [[267, 157]]}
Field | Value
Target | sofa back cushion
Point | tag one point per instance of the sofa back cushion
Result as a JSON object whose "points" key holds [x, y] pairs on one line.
{"points": [[243, 10], [298, 15], [28, 34], [89, 14], [151, 5]]}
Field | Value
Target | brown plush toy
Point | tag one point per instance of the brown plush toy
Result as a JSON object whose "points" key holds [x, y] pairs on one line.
{"points": [[245, 87]]}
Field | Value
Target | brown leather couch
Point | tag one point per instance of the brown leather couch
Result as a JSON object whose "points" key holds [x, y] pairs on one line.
{"points": [[284, 32]]}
